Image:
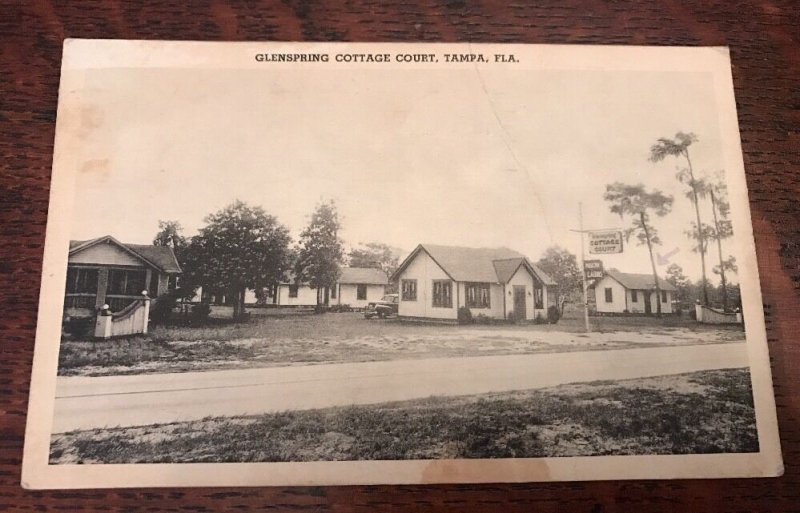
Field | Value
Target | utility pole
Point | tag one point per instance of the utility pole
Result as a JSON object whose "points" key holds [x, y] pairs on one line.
{"points": [[581, 232], [583, 271]]}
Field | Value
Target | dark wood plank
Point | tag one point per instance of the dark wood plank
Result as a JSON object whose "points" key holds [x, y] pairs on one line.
{"points": [[762, 34]]}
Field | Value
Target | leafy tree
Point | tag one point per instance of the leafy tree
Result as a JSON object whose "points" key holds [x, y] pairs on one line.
{"points": [[241, 247], [375, 255], [681, 282], [562, 266], [321, 251], [637, 203], [170, 234]]}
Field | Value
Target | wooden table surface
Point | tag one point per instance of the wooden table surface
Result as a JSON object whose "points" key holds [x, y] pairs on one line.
{"points": [[764, 37]]}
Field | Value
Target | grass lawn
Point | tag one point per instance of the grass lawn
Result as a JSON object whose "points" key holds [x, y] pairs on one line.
{"points": [[695, 413], [272, 338]]}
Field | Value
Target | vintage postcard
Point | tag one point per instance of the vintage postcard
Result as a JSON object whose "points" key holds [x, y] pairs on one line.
{"points": [[328, 264]]}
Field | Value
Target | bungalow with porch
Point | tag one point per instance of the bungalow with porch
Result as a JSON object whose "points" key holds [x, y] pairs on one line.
{"points": [[618, 292], [435, 281], [105, 271]]}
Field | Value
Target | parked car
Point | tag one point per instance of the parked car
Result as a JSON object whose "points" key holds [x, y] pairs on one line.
{"points": [[384, 308]]}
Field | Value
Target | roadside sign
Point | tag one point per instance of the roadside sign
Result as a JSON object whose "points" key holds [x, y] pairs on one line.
{"points": [[593, 269], [605, 243]]}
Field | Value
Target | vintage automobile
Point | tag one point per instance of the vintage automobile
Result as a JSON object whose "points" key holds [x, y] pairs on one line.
{"points": [[384, 308]]}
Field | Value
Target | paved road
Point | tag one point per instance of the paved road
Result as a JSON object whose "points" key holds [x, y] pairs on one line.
{"points": [[84, 403]]}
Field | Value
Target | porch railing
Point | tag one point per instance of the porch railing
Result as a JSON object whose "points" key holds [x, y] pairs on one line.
{"points": [[81, 300]]}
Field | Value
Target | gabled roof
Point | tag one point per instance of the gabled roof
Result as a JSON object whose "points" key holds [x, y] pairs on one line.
{"points": [[160, 257], [486, 265], [638, 281], [363, 275]]}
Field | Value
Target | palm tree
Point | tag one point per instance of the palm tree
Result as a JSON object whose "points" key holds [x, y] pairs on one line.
{"points": [[637, 203], [679, 147]]}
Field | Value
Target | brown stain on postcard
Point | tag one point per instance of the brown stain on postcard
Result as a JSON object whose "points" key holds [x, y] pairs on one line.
{"points": [[472, 471]]}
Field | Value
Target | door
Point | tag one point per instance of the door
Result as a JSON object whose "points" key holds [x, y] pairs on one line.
{"points": [[647, 308], [520, 308]]}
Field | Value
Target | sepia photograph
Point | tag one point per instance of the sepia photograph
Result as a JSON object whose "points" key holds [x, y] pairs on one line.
{"points": [[397, 263]]}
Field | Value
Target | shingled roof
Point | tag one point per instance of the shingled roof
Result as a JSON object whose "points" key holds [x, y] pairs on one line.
{"points": [[363, 276], [160, 257], [638, 281], [486, 265]]}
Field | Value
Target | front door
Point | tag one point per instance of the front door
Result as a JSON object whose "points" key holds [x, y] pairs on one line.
{"points": [[647, 308], [520, 309]]}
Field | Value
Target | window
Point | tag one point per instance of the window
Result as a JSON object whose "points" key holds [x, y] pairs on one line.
{"points": [[125, 283], [333, 291], [634, 296], [361, 292], [442, 294], [409, 290], [477, 295], [81, 281], [609, 295], [663, 296], [293, 290]]}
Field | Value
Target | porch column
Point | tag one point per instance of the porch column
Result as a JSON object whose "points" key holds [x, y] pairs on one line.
{"points": [[102, 286]]}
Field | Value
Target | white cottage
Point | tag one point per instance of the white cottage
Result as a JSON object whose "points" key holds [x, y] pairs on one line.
{"points": [[434, 281], [618, 292], [358, 286]]}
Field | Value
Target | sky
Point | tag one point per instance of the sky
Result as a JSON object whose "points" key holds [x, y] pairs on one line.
{"points": [[471, 157]]}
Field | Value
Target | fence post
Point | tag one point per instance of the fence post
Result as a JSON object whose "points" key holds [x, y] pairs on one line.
{"points": [[102, 325], [146, 306]]}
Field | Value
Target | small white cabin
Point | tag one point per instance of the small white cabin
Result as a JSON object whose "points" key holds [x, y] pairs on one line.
{"points": [[618, 292]]}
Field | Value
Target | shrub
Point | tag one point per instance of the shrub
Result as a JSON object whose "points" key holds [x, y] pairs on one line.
{"points": [[482, 319], [200, 312], [553, 315], [164, 304], [79, 327], [321, 309], [511, 317], [464, 315], [693, 314], [539, 319]]}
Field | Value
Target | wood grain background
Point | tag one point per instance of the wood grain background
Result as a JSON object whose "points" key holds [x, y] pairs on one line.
{"points": [[763, 36]]}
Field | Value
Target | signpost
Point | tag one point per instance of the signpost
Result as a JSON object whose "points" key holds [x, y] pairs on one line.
{"points": [[601, 242], [593, 269]]}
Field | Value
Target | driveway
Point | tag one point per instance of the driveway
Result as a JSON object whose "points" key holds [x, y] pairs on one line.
{"points": [[108, 401]]}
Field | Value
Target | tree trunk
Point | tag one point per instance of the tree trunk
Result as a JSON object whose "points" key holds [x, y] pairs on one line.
{"points": [[237, 296], [234, 294], [719, 248], [653, 264], [700, 240]]}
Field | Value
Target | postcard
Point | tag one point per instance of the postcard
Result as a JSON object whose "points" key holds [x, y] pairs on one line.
{"points": [[368, 263]]}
